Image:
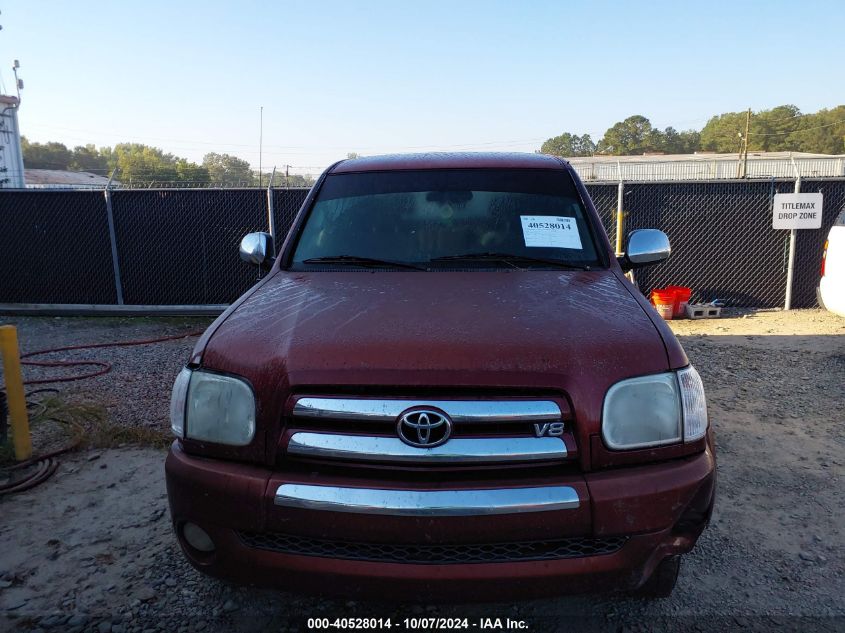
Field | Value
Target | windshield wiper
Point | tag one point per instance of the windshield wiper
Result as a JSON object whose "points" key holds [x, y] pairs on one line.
{"points": [[510, 258], [368, 262]]}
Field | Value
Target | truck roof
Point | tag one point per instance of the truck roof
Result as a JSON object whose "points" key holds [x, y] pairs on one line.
{"points": [[450, 160]]}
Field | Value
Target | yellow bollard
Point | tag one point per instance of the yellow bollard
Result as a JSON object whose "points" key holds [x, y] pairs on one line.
{"points": [[15, 395], [620, 232]]}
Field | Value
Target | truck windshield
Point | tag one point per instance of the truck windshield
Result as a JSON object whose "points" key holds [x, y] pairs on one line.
{"points": [[447, 218]]}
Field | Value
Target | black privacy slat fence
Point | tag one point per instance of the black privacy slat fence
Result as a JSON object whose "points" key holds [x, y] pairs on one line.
{"points": [[54, 248], [723, 244], [179, 246]]}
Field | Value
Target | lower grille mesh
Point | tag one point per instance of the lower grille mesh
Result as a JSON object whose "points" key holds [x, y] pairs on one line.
{"points": [[434, 554]]}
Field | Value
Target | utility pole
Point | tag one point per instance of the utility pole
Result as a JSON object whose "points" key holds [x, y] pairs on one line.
{"points": [[260, 141], [745, 157]]}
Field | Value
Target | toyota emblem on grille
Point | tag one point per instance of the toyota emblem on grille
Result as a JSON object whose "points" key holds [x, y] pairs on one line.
{"points": [[424, 428]]}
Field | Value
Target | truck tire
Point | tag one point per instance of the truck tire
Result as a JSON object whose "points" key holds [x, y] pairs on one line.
{"points": [[662, 580]]}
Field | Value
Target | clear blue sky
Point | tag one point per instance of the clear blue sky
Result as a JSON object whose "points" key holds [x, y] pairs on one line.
{"points": [[375, 77]]}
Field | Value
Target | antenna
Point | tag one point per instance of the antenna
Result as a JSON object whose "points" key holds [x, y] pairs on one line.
{"points": [[18, 80]]}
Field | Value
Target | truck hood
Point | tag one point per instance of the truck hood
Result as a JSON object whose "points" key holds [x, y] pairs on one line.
{"points": [[575, 331]]}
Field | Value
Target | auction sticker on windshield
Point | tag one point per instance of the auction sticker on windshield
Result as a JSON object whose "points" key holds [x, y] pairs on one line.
{"points": [[550, 231]]}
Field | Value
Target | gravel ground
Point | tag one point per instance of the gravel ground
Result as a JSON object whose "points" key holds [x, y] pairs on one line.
{"points": [[92, 550], [141, 377]]}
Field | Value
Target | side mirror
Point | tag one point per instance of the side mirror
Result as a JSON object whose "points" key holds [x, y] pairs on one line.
{"points": [[257, 249], [645, 247]]}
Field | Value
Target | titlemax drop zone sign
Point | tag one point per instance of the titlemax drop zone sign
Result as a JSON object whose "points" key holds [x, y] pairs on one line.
{"points": [[797, 211]]}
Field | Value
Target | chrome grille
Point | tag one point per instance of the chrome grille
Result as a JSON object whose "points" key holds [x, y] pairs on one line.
{"points": [[388, 409], [453, 554], [364, 448], [484, 432]]}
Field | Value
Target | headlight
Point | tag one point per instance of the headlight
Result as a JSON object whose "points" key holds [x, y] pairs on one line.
{"points": [[655, 410], [213, 408]]}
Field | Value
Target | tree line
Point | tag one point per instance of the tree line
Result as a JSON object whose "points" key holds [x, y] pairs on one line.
{"points": [[139, 164], [783, 128]]}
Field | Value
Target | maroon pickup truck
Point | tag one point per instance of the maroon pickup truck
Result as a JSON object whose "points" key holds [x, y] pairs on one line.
{"points": [[444, 388]]}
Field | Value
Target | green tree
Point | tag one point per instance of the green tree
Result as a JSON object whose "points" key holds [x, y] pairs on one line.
{"points": [[822, 132], [300, 180], [774, 130], [674, 142], [569, 145], [723, 133], [88, 158], [189, 172], [142, 164], [45, 155], [224, 169], [635, 135], [292, 180], [770, 129]]}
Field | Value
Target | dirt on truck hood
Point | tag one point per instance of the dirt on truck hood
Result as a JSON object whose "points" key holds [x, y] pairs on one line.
{"points": [[579, 331]]}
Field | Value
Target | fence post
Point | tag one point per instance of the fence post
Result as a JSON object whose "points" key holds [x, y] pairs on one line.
{"points": [[620, 217], [790, 269], [118, 285], [271, 221]]}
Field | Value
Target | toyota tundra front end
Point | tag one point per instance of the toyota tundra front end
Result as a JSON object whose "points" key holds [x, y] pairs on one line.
{"points": [[444, 388]]}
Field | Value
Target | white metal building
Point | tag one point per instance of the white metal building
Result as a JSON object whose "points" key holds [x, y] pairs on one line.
{"points": [[11, 157], [61, 179], [707, 166]]}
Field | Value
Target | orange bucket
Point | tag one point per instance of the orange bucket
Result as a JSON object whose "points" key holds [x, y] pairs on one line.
{"points": [[664, 303], [682, 296]]}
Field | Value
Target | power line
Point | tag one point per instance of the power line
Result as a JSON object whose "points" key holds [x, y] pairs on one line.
{"points": [[806, 129], [788, 118]]}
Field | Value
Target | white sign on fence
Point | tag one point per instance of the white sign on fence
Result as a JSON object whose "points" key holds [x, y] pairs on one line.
{"points": [[797, 211]]}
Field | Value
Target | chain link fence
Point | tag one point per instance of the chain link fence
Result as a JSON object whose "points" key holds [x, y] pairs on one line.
{"points": [[54, 248], [723, 244], [286, 204], [173, 247], [179, 246], [604, 199]]}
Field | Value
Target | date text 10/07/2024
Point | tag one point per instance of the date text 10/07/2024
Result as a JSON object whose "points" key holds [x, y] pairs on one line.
{"points": [[417, 624]]}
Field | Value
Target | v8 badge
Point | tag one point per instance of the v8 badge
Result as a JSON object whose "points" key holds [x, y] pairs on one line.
{"points": [[551, 429]]}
